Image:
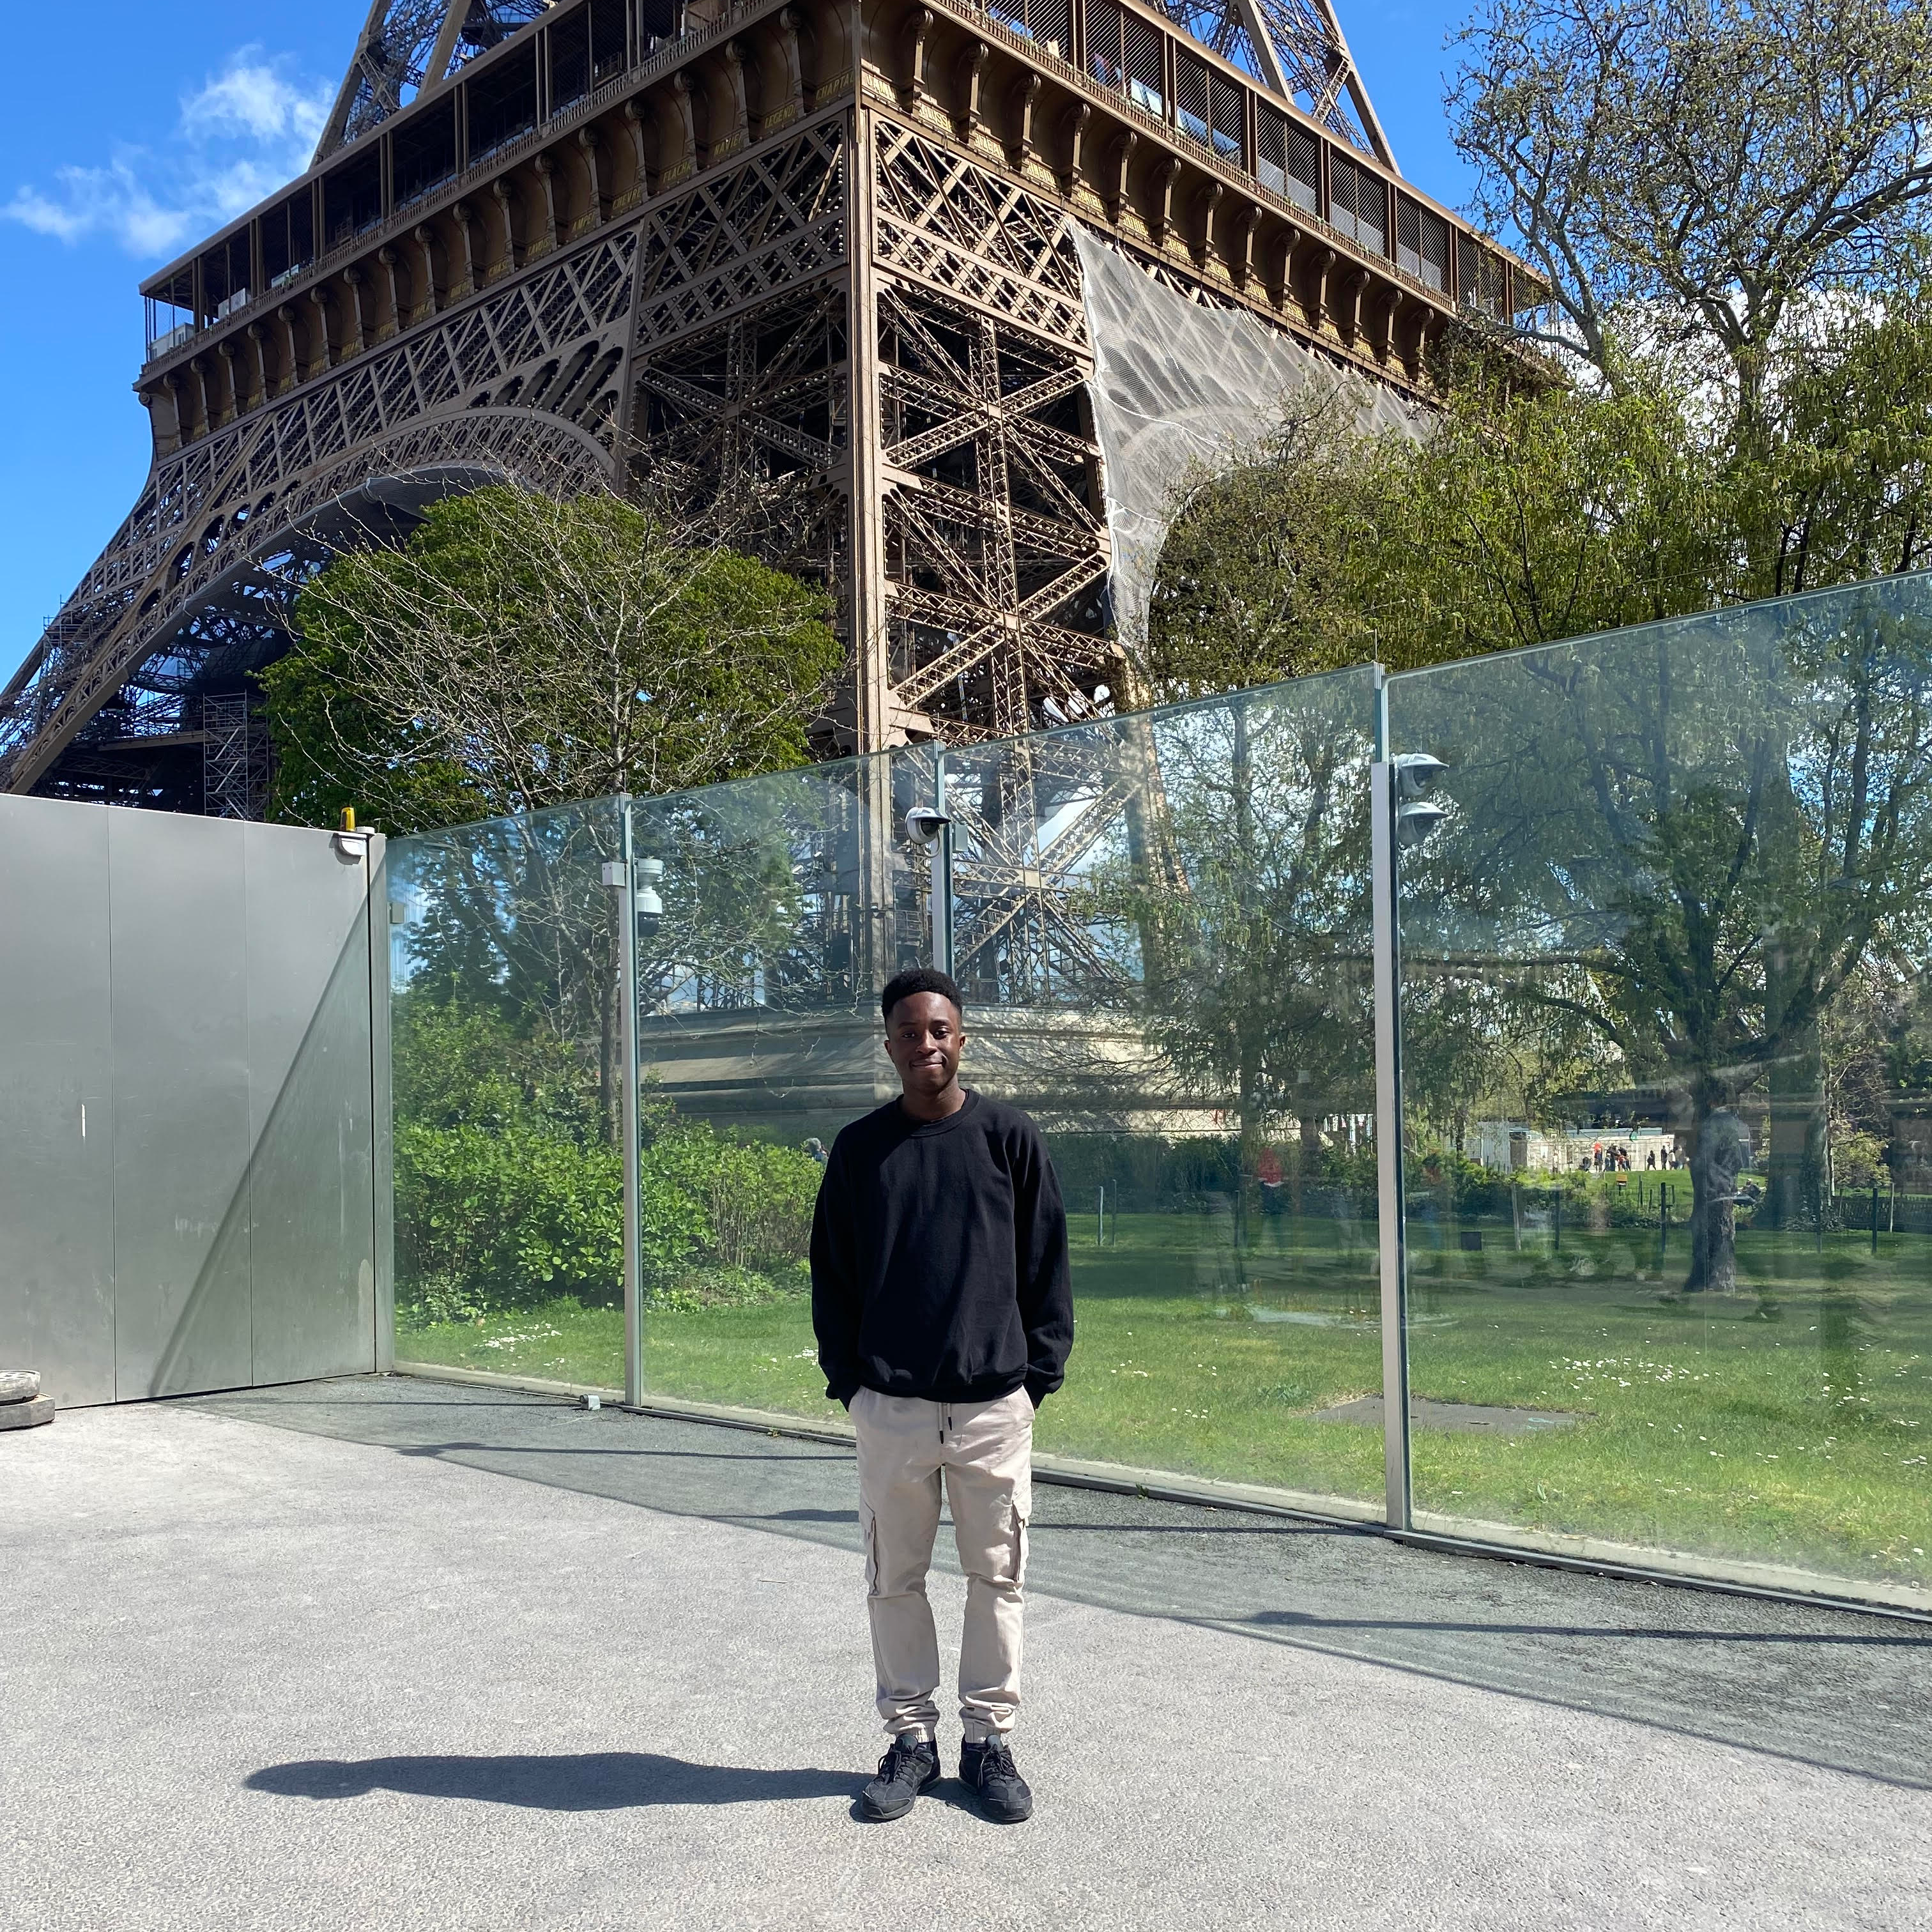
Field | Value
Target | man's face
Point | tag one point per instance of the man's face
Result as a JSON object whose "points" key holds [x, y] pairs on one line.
{"points": [[923, 1035]]}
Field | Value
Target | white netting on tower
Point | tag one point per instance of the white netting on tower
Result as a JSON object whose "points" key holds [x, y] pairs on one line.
{"points": [[1182, 392]]}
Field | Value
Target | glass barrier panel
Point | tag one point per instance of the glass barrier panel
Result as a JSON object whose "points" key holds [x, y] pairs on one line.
{"points": [[1667, 1067], [776, 907], [1160, 925], [506, 1064]]}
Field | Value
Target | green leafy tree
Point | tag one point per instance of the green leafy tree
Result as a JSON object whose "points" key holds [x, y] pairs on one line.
{"points": [[1263, 572], [1522, 518], [1527, 517], [1253, 988], [1690, 840], [518, 653], [1846, 493]]}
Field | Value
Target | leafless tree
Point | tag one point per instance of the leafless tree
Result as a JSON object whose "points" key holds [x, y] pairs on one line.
{"points": [[1695, 167]]}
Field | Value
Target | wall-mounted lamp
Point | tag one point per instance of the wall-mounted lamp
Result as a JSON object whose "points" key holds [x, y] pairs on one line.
{"points": [[350, 844]]}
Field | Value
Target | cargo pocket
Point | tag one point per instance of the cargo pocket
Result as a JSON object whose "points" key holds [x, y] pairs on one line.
{"points": [[1019, 1534], [870, 1524]]}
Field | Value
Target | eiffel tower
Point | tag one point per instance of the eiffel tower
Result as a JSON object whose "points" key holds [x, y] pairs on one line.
{"points": [[815, 252]]}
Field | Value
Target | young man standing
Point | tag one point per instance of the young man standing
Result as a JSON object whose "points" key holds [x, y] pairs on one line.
{"points": [[944, 1312]]}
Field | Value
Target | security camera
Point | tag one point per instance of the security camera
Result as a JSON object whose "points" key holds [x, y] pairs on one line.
{"points": [[923, 825], [1414, 822], [1416, 772], [644, 875], [649, 906]]}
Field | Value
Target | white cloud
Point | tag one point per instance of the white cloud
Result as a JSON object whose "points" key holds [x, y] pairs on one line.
{"points": [[251, 98], [88, 201], [245, 132]]}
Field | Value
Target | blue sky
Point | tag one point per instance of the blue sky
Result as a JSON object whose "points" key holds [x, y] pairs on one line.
{"points": [[172, 131]]}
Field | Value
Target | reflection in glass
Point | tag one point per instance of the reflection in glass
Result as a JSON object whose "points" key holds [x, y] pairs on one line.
{"points": [[1160, 924], [504, 1026], [1666, 1053], [1161, 930], [1663, 973]]}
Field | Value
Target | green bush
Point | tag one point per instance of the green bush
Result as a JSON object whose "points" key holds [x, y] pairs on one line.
{"points": [[507, 1196], [454, 1065], [489, 1217], [1472, 1188], [757, 1199]]}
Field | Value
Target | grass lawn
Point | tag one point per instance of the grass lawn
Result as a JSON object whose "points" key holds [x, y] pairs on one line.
{"points": [[1790, 1423]]}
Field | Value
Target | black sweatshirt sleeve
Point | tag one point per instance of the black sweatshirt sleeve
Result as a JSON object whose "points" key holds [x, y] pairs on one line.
{"points": [[1046, 1279], [836, 1297]]}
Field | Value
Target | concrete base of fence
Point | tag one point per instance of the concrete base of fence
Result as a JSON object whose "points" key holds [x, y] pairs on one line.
{"points": [[1120, 1478], [1631, 1559], [1431, 1530]]}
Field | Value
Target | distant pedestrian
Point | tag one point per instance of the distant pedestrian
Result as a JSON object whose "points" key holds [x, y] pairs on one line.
{"points": [[944, 1313]]}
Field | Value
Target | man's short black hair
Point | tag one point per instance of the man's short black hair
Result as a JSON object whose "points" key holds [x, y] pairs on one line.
{"points": [[919, 979]]}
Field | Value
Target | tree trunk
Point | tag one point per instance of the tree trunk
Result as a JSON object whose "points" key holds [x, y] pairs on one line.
{"points": [[1247, 1165], [1310, 1125], [1795, 1164], [1247, 1045], [1717, 1157]]}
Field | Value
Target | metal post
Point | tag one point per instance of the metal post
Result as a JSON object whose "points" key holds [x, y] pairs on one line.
{"points": [[1391, 1245], [623, 876], [942, 873], [384, 916]]}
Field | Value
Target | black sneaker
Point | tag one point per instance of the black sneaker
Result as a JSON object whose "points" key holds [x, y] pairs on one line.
{"points": [[987, 1771], [904, 1772]]}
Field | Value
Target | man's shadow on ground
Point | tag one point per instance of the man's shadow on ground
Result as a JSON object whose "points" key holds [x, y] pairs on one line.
{"points": [[590, 1781]]}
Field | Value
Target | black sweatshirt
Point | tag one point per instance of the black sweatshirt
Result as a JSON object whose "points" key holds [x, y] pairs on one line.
{"points": [[939, 1258]]}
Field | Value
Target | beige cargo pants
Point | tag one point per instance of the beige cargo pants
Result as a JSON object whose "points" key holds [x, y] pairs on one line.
{"points": [[985, 1450]]}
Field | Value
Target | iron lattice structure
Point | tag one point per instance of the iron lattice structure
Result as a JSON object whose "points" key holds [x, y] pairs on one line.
{"points": [[815, 256], [234, 759]]}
